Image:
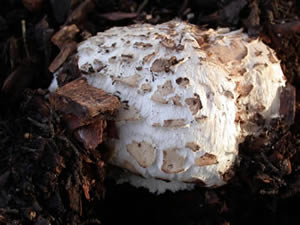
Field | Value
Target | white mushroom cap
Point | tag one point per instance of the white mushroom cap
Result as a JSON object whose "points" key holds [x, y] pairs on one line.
{"points": [[189, 96]]}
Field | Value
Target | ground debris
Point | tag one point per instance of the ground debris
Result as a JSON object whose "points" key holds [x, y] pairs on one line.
{"points": [[48, 177], [85, 110], [46, 174]]}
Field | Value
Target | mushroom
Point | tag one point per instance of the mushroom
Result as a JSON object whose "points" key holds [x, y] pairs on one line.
{"points": [[194, 92]]}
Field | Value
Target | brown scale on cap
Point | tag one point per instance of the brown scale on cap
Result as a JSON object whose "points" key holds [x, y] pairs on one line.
{"points": [[176, 100], [193, 146], [173, 162], [142, 45], [131, 81], [145, 88], [162, 91], [183, 81], [164, 65], [243, 89], [148, 58], [144, 153], [206, 159], [194, 104], [174, 123]]}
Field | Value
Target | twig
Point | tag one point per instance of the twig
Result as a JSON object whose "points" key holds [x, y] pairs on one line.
{"points": [[269, 164], [38, 124], [24, 38], [287, 28]]}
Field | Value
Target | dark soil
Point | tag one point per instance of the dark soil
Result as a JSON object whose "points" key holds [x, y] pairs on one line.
{"points": [[47, 177]]}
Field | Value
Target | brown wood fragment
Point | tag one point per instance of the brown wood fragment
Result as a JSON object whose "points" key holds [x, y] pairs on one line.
{"points": [[65, 52], [287, 28], [64, 35], [79, 14], [116, 16], [83, 100], [14, 54], [91, 135], [288, 104], [85, 109]]}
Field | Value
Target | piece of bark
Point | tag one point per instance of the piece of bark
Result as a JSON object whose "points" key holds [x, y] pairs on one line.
{"points": [[64, 53], [91, 135], [64, 35], [82, 100], [116, 16], [286, 28], [14, 54], [288, 104], [79, 14], [85, 110]]}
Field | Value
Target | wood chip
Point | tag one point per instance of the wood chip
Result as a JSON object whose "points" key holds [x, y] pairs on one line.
{"points": [[65, 35], [81, 12], [64, 53], [82, 100], [288, 104], [91, 135]]}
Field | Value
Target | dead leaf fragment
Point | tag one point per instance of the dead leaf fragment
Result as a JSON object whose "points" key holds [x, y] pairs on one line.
{"points": [[64, 35]]}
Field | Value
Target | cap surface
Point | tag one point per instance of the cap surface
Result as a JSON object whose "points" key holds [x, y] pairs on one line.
{"points": [[189, 96]]}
